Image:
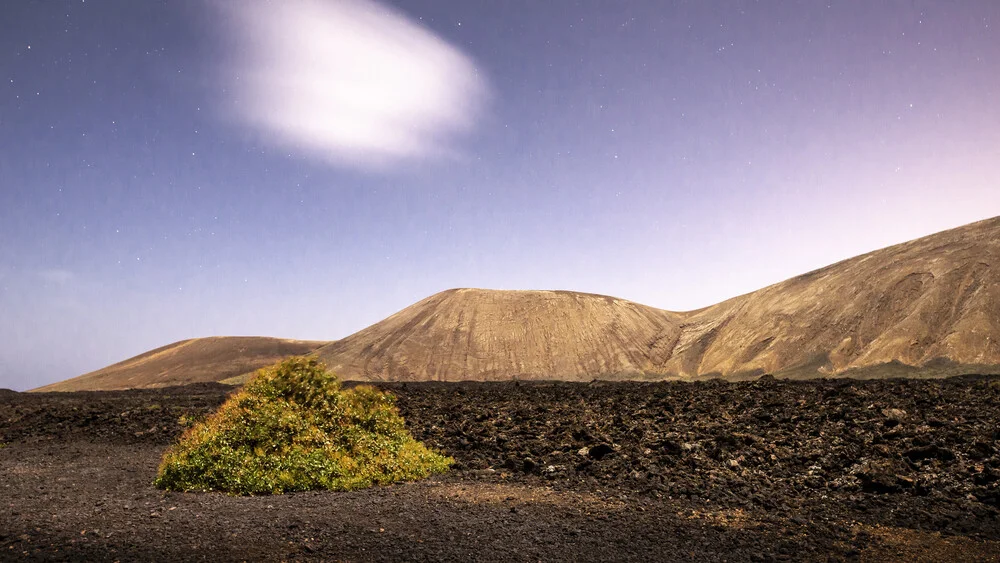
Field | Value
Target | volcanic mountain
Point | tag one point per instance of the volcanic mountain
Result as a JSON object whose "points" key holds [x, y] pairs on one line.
{"points": [[189, 361], [931, 304], [496, 335], [928, 307]]}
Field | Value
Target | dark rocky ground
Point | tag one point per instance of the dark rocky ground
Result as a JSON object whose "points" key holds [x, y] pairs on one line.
{"points": [[712, 471]]}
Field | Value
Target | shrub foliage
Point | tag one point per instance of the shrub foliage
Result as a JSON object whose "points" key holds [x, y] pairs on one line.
{"points": [[292, 428]]}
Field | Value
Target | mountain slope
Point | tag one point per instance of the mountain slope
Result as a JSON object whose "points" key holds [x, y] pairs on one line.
{"points": [[488, 335], [934, 300], [923, 308], [188, 361], [932, 303]]}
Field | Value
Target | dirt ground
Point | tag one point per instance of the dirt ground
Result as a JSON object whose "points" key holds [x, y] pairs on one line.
{"points": [[712, 471]]}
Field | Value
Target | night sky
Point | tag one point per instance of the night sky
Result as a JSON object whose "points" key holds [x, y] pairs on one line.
{"points": [[303, 169]]}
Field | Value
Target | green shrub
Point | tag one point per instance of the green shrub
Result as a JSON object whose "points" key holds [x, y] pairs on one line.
{"points": [[292, 428]]}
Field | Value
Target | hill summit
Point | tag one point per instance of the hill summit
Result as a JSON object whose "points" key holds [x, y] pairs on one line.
{"points": [[496, 335]]}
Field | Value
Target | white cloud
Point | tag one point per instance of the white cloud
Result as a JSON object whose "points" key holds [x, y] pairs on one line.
{"points": [[349, 81]]}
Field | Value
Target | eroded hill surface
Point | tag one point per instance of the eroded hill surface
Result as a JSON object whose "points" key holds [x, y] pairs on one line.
{"points": [[496, 335], [932, 303]]}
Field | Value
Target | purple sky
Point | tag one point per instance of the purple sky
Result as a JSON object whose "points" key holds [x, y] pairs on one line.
{"points": [[183, 168]]}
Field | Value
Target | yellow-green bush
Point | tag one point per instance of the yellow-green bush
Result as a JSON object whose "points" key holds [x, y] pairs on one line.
{"points": [[292, 428]]}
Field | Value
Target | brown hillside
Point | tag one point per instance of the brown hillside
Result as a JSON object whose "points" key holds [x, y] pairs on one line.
{"points": [[490, 335], [928, 307], [933, 302], [189, 361]]}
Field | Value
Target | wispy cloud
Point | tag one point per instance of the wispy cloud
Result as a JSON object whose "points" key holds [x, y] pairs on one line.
{"points": [[350, 81]]}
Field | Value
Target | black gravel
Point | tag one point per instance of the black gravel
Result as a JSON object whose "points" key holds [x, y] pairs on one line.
{"points": [[751, 471]]}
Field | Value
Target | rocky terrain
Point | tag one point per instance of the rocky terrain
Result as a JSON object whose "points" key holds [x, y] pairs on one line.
{"points": [[769, 470], [926, 308]]}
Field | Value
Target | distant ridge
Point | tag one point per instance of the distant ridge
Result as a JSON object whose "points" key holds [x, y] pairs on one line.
{"points": [[928, 307], [196, 360]]}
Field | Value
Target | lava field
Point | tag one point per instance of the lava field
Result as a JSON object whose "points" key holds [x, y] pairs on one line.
{"points": [[769, 470]]}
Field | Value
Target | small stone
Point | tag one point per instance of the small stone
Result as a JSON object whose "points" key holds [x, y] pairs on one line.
{"points": [[895, 415]]}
